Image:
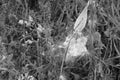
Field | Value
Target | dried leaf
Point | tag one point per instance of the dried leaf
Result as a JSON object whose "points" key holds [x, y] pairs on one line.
{"points": [[81, 20]]}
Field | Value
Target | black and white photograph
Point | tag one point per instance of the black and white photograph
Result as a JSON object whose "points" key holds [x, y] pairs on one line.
{"points": [[59, 39]]}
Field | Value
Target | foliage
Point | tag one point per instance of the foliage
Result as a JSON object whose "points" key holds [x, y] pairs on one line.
{"points": [[27, 53]]}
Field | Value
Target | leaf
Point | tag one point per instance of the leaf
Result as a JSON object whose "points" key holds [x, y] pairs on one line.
{"points": [[81, 20]]}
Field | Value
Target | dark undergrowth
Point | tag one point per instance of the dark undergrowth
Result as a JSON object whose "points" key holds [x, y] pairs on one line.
{"points": [[38, 59]]}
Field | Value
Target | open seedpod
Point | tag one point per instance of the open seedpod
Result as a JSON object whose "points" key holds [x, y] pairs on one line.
{"points": [[76, 42]]}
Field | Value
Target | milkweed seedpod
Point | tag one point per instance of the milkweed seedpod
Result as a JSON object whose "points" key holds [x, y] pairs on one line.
{"points": [[76, 42]]}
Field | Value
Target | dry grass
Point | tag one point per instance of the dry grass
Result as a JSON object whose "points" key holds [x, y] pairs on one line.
{"points": [[42, 59]]}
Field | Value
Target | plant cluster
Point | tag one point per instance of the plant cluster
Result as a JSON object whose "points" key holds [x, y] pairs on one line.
{"points": [[29, 50]]}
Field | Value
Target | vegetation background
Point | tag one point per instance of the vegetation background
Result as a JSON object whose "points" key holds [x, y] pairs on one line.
{"points": [[57, 17]]}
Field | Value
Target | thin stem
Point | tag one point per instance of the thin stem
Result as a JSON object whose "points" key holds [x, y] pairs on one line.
{"points": [[116, 48]]}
